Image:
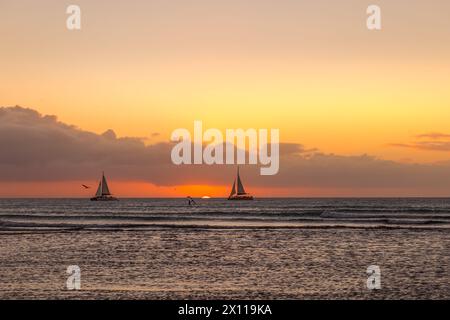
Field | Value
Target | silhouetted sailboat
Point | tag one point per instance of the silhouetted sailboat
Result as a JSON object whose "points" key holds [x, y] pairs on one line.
{"points": [[103, 193], [239, 187]]}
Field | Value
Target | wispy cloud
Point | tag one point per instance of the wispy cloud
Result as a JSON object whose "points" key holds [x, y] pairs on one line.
{"points": [[434, 135], [434, 141]]}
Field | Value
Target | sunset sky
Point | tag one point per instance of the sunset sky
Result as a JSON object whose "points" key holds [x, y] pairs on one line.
{"points": [[341, 95]]}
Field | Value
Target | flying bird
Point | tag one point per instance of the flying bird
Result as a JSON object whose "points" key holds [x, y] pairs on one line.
{"points": [[85, 186]]}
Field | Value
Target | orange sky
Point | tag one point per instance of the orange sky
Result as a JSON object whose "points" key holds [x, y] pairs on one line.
{"points": [[145, 68], [73, 189]]}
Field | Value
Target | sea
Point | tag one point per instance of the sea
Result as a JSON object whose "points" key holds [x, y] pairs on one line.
{"points": [[283, 248]]}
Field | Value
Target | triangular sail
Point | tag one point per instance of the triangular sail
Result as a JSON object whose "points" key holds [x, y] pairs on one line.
{"points": [[240, 187], [105, 189], [233, 190], [99, 190]]}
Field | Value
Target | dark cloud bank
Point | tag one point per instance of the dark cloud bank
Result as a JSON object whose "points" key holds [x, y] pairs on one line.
{"points": [[40, 148]]}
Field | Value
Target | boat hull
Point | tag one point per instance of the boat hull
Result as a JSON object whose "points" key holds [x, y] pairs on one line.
{"points": [[242, 197], [104, 198]]}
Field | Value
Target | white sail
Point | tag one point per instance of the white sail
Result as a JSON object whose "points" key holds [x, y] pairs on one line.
{"points": [[240, 187], [233, 190], [99, 190], [103, 193], [105, 189], [238, 191]]}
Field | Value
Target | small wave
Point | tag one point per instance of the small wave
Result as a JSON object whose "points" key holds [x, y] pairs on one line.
{"points": [[221, 224]]}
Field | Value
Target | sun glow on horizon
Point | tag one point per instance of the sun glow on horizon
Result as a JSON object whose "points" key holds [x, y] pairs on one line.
{"points": [[319, 76]]}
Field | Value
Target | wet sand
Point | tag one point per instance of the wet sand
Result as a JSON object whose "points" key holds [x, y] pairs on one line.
{"points": [[203, 263]]}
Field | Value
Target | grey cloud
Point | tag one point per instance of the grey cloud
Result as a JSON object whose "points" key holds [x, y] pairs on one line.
{"points": [[40, 148]]}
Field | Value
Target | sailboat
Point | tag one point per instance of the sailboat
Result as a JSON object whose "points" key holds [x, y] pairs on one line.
{"points": [[239, 187], [103, 193]]}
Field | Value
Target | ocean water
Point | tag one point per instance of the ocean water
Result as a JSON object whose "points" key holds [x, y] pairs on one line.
{"points": [[262, 249]]}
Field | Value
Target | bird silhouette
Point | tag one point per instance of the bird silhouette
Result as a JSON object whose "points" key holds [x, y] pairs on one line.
{"points": [[85, 186]]}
